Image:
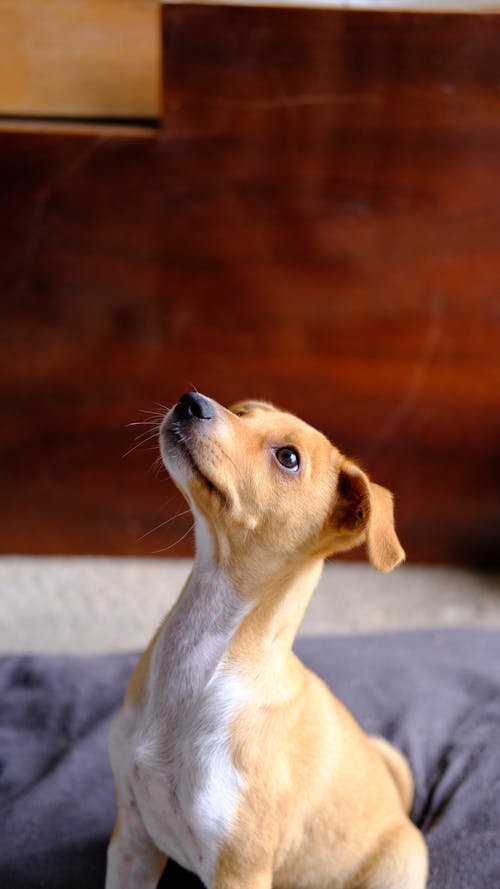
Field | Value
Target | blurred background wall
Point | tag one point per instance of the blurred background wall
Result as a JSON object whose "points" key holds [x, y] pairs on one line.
{"points": [[314, 219]]}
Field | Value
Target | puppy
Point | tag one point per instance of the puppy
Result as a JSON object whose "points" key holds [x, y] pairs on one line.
{"points": [[228, 755]]}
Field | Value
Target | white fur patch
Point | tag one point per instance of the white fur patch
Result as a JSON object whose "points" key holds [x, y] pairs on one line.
{"points": [[185, 782]]}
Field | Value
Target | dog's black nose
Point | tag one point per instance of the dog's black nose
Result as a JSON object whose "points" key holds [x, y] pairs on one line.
{"points": [[193, 405]]}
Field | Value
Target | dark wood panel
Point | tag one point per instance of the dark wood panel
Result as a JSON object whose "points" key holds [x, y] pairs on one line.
{"points": [[317, 223]]}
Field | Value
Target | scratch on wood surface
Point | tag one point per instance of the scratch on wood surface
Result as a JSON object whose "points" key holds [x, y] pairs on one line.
{"points": [[302, 100], [404, 407], [41, 202]]}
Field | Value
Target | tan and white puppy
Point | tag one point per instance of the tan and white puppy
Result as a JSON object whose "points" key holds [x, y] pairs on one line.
{"points": [[229, 756]]}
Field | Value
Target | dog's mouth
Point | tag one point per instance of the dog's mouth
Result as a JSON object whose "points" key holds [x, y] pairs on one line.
{"points": [[176, 436]]}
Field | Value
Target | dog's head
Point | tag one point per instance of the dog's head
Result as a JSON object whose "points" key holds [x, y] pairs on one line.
{"points": [[266, 484]]}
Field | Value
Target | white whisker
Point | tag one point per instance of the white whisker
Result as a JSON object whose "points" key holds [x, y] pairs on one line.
{"points": [[165, 548], [139, 444], [146, 432], [163, 524], [157, 465]]}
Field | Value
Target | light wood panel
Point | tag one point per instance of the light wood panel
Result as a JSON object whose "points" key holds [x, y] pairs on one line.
{"points": [[80, 58]]}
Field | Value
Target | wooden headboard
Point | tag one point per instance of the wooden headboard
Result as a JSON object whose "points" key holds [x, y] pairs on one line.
{"points": [[316, 222]]}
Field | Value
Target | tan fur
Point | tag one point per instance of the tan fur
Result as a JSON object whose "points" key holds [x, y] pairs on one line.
{"points": [[323, 805]]}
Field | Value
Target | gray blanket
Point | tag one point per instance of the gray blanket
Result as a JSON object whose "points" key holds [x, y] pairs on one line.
{"points": [[435, 694]]}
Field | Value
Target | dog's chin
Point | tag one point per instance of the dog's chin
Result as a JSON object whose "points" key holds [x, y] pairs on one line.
{"points": [[182, 465]]}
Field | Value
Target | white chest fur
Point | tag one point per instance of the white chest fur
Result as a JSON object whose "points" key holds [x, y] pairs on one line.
{"points": [[185, 782]]}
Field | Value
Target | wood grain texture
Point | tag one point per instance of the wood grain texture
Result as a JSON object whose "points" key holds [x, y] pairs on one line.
{"points": [[317, 224]]}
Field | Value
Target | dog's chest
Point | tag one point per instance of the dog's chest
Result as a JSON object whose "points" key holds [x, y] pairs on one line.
{"points": [[185, 780]]}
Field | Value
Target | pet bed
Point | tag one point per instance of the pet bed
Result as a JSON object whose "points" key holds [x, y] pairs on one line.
{"points": [[436, 694]]}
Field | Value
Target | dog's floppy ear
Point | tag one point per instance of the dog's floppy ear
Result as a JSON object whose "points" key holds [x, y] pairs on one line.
{"points": [[364, 511]]}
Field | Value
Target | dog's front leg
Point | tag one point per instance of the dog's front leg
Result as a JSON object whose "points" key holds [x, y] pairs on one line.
{"points": [[241, 877], [134, 862], [250, 881]]}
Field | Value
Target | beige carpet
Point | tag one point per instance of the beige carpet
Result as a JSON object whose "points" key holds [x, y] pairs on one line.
{"points": [[112, 604]]}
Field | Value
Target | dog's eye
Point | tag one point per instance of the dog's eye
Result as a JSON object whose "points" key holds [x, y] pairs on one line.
{"points": [[288, 458]]}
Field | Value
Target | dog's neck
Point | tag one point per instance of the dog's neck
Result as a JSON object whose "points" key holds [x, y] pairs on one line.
{"points": [[217, 624], [277, 605], [256, 614], [199, 629]]}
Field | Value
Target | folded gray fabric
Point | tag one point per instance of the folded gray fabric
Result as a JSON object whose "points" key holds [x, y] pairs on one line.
{"points": [[436, 694]]}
